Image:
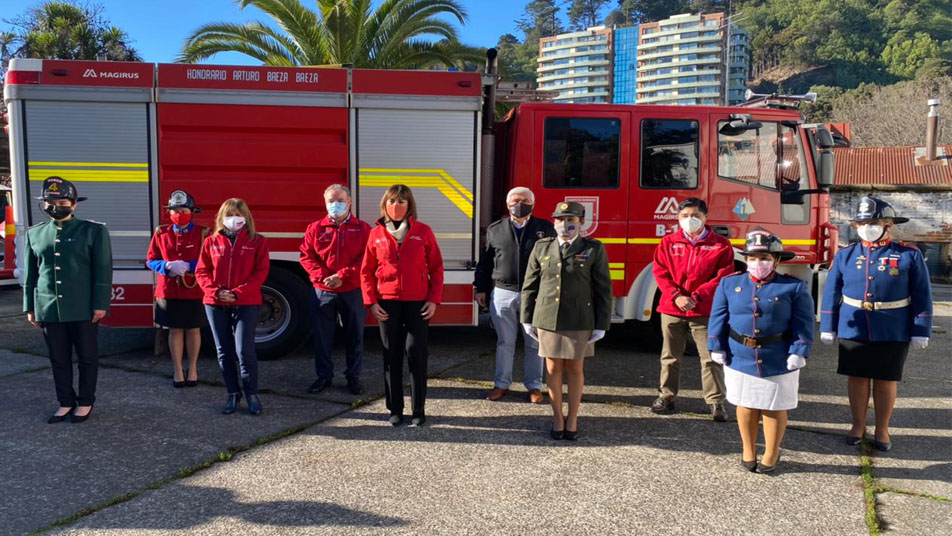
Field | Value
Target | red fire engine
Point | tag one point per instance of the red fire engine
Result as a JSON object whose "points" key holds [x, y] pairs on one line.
{"points": [[130, 133]]}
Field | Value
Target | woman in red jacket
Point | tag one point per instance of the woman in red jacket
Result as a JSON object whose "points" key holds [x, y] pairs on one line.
{"points": [[402, 282], [231, 270], [173, 255]]}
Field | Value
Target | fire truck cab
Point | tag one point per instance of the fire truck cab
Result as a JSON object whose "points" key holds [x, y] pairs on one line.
{"points": [[128, 134]]}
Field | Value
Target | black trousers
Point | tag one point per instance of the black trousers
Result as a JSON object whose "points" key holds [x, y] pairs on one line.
{"points": [[404, 333], [61, 339]]}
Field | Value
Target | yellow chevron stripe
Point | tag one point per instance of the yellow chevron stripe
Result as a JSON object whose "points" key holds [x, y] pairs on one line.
{"points": [[90, 164], [82, 175], [442, 173], [385, 181]]}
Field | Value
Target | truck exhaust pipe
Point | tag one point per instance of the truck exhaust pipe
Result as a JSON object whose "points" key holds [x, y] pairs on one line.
{"points": [[487, 157], [932, 130]]}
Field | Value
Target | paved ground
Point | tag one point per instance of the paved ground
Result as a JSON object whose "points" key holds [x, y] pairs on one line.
{"points": [[158, 460]]}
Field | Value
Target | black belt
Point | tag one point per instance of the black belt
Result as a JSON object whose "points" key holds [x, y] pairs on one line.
{"points": [[757, 342]]}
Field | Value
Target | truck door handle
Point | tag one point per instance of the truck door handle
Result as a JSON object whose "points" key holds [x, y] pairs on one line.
{"points": [[722, 230]]}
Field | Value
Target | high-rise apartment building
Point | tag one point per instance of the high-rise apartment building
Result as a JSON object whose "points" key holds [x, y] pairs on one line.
{"points": [[681, 60], [578, 65], [625, 80]]}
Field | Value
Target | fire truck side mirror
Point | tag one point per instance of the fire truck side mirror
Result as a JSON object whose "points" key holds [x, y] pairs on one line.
{"points": [[739, 123], [824, 141]]}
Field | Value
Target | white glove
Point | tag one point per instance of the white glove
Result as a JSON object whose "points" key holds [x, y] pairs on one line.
{"points": [[795, 362], [597, 335], [719, 357], [919, 342], [531, 331], [176, 268], [827, 337]]}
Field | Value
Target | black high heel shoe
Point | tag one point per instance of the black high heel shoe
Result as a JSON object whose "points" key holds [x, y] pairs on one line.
{"points": [[569, 434], [254, 404], [558, 434], [77, 418], [231, 405], [750, 466], [60, 418], [187, 382]]}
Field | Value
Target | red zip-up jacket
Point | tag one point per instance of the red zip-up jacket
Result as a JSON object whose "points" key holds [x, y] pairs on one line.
{"points": [[684, 269], [329, 249], [168, 245], [411, 271], [241, 268]]}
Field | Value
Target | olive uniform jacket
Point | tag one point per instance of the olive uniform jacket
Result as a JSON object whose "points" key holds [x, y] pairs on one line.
{"points": [[573, 292], [68, 270]]}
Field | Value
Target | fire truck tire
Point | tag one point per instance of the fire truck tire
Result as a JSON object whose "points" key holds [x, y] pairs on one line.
{"points": [[284, 318]]}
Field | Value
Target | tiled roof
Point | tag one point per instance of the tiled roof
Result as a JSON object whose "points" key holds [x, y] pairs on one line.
{"points": [[891, 166]]}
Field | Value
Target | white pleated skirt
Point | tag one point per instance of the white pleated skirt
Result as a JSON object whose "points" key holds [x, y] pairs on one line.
{"points": [[773, 393]]}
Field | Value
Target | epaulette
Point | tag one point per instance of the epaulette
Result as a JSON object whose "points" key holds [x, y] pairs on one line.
{"points": [[545, 239], [97, 222], [910, 246]]}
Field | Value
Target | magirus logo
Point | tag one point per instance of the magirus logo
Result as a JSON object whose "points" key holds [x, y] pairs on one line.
{"points": [[667, 209], [91, 73]]}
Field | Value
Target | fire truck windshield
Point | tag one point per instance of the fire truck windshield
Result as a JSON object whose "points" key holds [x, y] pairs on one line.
{"points": [[769, 157]]}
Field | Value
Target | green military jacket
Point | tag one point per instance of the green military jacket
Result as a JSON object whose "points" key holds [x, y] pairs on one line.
{"points": [[68, 270], [573, 292]]}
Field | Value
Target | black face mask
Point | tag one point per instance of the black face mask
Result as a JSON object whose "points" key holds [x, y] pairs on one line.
{"points": [[521, 210], [57, 212]]}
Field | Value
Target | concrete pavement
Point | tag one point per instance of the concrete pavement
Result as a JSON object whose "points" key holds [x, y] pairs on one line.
{"points": [[153, 459]]}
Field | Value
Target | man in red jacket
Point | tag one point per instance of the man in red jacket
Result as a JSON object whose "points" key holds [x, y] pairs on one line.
{"points": [[331, 253], [688, 265]]}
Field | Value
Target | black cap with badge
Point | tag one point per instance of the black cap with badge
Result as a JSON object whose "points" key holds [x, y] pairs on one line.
{"points": [[567, 209], [55, 188], [763, 241], [873, 208], [181, 199]]}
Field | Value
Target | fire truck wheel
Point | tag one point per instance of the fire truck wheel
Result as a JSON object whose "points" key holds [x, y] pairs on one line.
{"points": [[283, 320]]}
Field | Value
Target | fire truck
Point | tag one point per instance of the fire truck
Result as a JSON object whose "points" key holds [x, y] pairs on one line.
{"points": [[128, 134]]}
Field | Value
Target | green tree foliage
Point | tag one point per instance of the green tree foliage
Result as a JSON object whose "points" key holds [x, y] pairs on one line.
{"points": [[585, 13], [395, 35], [638, 11], [862, 40], [65, 30], [541, 19]]}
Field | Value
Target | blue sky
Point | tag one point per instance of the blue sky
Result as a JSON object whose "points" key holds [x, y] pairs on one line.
{"points": [[159, 27]]}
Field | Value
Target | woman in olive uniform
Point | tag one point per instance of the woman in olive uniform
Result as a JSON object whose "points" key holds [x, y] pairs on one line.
{"points": [[566, 306], [67, 292]]}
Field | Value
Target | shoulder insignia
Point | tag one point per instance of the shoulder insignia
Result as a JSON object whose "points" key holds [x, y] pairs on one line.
{"points": [[907, 245]]}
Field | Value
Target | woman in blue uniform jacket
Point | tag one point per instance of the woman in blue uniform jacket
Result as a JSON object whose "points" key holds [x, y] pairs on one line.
{"points": [[761, 327], [877, 301]]}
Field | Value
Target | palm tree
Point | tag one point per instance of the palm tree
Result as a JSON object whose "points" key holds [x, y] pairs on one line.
{"points": [[66, 30], [394, 36]]}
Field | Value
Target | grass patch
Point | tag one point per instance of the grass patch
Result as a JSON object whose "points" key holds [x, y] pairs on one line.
{"points": [[873, 522]]}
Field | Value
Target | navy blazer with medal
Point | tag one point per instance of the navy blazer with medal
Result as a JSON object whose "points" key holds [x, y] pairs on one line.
{"points": [[781, 304], [884, 271]]}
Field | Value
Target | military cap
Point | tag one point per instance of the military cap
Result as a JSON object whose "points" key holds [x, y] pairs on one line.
{"points": [[566, 209], [873, 208], [59, 188]]}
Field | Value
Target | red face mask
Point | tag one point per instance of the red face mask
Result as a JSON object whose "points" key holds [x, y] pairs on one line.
{"points": [[397, 212], [180, 219]]}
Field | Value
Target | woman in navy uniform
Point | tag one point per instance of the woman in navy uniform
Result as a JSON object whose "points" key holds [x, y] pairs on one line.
{"points": [[761, 328], [173, 255], [67, 292], [566, 306], [877, 301]]}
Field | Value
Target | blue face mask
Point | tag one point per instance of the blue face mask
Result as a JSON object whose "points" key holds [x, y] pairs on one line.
{"points": [[337, 208]]}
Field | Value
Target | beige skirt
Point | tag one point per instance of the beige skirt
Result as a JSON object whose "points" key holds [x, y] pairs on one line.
{"points": [[565, 344]]}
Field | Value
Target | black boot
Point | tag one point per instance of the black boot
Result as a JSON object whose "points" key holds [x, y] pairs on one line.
{"points": [[231, 405], [251, 396], [254, 404]]}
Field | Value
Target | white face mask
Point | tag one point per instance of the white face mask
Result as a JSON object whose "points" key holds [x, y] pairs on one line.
{"points": [[691, 225], [233, 223], [870, 233]]}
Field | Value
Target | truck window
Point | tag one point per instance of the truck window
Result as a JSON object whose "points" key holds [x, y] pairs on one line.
{"points": [[581, 152], [669, 153], [793, 175]]}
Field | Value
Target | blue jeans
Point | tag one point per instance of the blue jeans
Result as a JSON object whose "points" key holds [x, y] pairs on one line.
{"points": [[325, 307], [233, 327], [505, 307]]}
